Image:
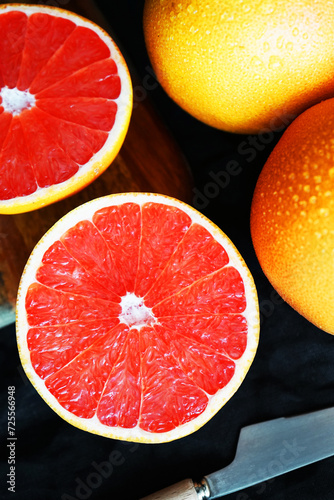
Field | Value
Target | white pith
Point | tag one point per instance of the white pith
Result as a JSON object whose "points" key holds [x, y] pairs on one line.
{"points": [[135, 313], [103, 158], [132, 306], [15, 101]]}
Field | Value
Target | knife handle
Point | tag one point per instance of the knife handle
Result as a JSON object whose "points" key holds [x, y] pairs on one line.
{"points": [[184, 490]]}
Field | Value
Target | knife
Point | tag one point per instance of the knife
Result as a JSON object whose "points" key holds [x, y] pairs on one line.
{"points": [[265, 450]]}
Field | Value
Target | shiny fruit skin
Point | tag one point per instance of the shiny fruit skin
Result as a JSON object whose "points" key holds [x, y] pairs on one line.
{"points": [[292, 216], [242, 66]]}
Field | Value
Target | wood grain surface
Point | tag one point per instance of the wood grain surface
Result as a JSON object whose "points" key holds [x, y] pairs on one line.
{"points": [[149, 161], [184, 490]]}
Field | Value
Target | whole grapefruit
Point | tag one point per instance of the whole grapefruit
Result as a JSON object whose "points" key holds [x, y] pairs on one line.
{"points": [[292, 215], [242, 66]]}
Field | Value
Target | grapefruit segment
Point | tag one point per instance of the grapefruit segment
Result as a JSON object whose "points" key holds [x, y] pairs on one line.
{"points": [[53, 347], [50, 163], [53, 31], [150, 344], [79, 385], [46, 306], [208, 369], [13, 28], [120, 226], [96, 113], [15, 164], [78, 143], [61, 271], [87, 246], [5, 121], [224, 333], [217, 293], [162, 229], [120, 402], [184, 267], [99, 79], [67, 83], [80, 49], [170, 398]]}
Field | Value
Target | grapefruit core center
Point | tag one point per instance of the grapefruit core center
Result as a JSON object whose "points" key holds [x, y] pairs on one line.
{"points": [[15, 101], [135, 313]]}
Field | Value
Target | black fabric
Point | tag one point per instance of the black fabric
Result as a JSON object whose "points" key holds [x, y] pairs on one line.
{"points": [[293, 371]]}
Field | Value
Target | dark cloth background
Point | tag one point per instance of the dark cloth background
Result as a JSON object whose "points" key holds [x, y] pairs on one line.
{"points": [[293, 371]]}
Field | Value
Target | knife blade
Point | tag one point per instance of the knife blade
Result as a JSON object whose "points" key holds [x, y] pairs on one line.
{"points": [[264, 451]]}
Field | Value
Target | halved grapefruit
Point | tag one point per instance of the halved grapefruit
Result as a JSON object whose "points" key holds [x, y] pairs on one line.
{"points": [[65, 104], [137, 318]]}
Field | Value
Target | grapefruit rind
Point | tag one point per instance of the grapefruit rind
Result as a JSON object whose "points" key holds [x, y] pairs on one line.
{"points": [[93, 425], [101, 160], [291, 218], [250, 66]]}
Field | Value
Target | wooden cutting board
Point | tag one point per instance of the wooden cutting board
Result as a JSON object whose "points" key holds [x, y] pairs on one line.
{"points": [[149, 161]]}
